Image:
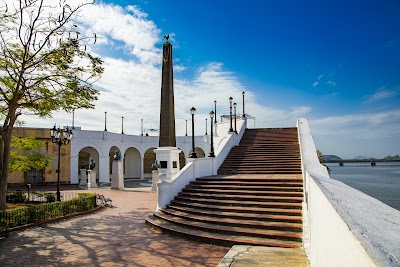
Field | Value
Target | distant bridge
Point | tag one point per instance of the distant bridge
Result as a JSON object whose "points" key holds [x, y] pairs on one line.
{"points": [[372, 161]]}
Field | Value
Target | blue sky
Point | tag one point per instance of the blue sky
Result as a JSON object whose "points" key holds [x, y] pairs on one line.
{"points": [[336, 63]]}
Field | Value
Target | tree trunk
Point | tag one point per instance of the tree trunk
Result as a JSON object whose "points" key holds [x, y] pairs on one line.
{"points": [[5, 144]]}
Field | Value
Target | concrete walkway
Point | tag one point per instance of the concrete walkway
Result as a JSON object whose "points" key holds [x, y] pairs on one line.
{"points": [[255, 256], [113, 237]]}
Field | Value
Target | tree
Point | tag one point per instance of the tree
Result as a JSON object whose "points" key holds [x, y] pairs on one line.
{"points": [[25, 154], [44, 66]]}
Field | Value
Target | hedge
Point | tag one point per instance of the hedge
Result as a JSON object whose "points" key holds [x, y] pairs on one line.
{"points": [[34, 213]]}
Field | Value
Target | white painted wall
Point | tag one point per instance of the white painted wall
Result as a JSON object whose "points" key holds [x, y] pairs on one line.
{"points": [[102, 142], [201, 167], [341, 225]]}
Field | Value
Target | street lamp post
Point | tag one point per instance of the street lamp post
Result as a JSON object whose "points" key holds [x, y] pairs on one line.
{"points": [[60, 137], [193, 154], [230, 111], [122, 125], [215, 111], [244, 114], [105, 121], [206, 126], [73, 119], [234, 107], [141, 122], [212, 155], [186, 127]]}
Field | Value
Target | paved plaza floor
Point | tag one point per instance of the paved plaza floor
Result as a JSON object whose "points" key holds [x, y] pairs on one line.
{"points": [[112, 237]]}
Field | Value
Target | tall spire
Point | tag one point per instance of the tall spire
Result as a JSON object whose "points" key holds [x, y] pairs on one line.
{"points": [[167, 110]]}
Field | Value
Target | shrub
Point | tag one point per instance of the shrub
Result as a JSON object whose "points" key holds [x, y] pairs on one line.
{"points": [[45, 211], [50, 197], [15, 197]]}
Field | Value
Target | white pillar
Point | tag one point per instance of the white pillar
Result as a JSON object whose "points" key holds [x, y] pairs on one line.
{"points": [[141, 167], [168, 158], [104, 169], [74, 169], [83, 178], [117, 178]]}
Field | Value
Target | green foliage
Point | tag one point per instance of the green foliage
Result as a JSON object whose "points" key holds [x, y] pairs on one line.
{"points": [[44, 67], [26, 155], [41, 212], [15, 197], [50, 197], [320, 156]]}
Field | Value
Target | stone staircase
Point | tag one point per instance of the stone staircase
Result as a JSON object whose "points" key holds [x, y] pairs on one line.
{"points": [[250, 202], [271, 150]]}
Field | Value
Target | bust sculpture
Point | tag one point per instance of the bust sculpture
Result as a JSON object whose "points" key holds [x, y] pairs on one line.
{"points": [[155, 166], [92, 164], [83, 165], [117, 155]]}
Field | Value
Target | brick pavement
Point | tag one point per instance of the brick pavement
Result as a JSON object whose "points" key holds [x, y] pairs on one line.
{"points": [[113, 237]]}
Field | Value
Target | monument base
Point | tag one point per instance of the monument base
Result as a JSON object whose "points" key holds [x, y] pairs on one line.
{"points": [[168, 158], [117, 179], [83, 178], [91, 179], [154, 181]]}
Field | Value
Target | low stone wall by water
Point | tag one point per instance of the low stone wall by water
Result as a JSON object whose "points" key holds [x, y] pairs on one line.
{"points": [[343, 226]]}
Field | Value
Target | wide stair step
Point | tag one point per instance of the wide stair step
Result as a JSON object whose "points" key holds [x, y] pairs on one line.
{"points": [[255, 200]]}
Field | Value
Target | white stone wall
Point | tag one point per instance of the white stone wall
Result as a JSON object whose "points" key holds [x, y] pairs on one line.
{"points": [[341, 225], [103, 141]]}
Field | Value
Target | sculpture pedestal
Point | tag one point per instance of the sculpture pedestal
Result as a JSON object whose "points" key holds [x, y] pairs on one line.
{"points": [[83, 178], [91, 179], [117, 178], [168, 158], [154, 181]]}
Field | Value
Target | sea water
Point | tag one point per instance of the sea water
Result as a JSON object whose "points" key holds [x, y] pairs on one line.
{"points": [[381, 181]]}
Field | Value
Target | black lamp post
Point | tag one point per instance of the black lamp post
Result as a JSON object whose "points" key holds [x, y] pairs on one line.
{"points": [[215, 111], [234, 107], [186, 127], [244, 115], [105, 121], [206, 126], [212, 155], [230, 111], [122, 125], [60, 137], [193, 154], [73, 119]]}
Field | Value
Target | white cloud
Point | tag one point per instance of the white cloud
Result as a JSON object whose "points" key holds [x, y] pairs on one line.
{"points": [[331, 83], [138, 34], [381, 93], [358, 133]]}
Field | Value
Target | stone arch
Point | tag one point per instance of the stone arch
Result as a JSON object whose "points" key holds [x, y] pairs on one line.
{"points": [[148, 159], [200, 152], [84, 155], [132, 163]]}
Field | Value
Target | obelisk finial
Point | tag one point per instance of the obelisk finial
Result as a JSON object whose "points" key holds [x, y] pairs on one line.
{"points": [[167, 36]]}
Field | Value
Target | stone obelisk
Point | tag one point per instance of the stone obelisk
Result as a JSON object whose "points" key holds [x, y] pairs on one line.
{"points": [[167, 110], [167, 154]]}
